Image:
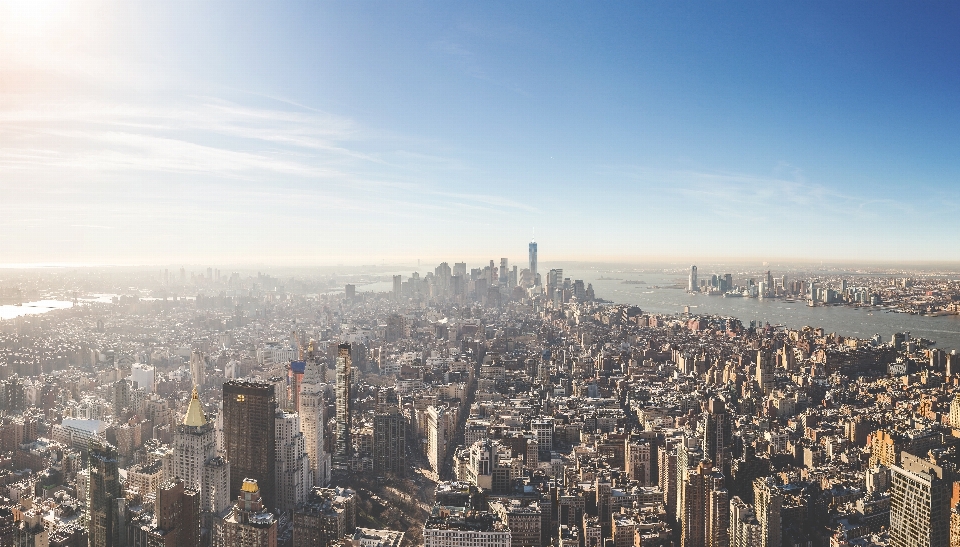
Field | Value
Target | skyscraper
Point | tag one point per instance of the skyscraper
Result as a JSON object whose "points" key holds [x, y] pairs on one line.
{"points": [[178, 516], [293, 465], [250, 524], [327, 515], [344, 371], [248, 434], [195, 459], [533, 260], [767, 502], [692, 285], [764, 372], [312, 422], [105, 503], [397, 286], [197, 367], [706, 507], [390, 441], [919, 503]]}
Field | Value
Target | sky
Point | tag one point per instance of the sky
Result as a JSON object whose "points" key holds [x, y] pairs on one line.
{"points": [[376, 132]]}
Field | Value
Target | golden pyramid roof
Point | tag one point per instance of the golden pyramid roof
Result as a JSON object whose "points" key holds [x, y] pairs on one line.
{"points": [[195, 416]]}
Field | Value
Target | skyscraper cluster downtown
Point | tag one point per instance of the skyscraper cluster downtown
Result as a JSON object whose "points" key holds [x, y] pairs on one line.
{"points": [[487, 406]]}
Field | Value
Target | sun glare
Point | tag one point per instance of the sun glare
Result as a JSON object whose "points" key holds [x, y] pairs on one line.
{"points": [[29, 16]]}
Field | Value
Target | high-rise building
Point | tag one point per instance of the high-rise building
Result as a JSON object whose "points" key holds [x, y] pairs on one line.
{"points": [[706, 508], [250, 524], [249, 438], [344, 373], [350, 291], [504, 271], [744, 528], [768, 499], [716, 435], [533, 260], [8, 528], [439, 432], [312, 403], [667, 468], [293, 464], [198, 365], [692, 285], [919, 503], [327, 515], [105, 503], [195, 459], [689, 455], [178, 516], [764, 371], [390, 442], [397, 286]]}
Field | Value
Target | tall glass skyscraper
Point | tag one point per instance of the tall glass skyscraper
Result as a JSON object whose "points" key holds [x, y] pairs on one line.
{"points": [[533, 259]]}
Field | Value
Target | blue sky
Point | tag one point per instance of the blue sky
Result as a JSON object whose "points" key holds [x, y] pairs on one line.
{"points": [[364, 132]]}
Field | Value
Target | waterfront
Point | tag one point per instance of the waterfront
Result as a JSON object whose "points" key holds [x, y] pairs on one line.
{"points": [[33, 308], [653, 295]]}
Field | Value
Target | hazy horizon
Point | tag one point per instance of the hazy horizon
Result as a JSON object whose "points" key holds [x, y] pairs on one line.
{"points": [[327, 133]]}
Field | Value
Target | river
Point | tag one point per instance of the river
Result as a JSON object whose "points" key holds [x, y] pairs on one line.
{"points": [[654, 296]]}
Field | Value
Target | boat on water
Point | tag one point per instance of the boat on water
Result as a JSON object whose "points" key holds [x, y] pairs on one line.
{"points": [[732, 295]]}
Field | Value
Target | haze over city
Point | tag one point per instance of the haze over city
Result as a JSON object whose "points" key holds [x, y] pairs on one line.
{"points": [[489, 274], [326, 133]]}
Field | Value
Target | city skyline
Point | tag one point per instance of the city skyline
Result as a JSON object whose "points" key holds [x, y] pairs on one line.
{"points": [[323, 133]]}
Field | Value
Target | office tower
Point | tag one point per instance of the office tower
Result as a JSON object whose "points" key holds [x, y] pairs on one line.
{"points": [[689, 454], [767, 501], [716, 435], [198, 366], [390, 441], [105, 503], [744, 528], [764, 371], [919, 503], [248, 423], [178, 516], [554, 282], [692, 281], [327, 515], [344, 371], [579, 290], [706, 506], [533, 260], [397, 286], [460, 268], [638, 461], [504, 271], [250, 524], [8, 528], [350, 291], [312, 421], [195, 459], [667, 468], [439, 434], [293, 465]]}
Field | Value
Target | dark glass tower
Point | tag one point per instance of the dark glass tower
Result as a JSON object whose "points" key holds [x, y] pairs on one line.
{"points": [[248, 434], [104, 494]]}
